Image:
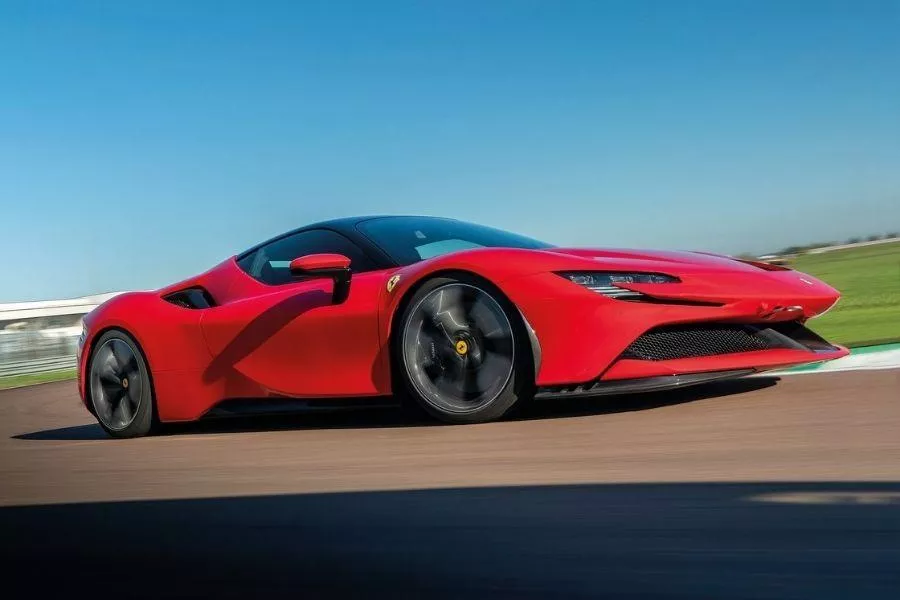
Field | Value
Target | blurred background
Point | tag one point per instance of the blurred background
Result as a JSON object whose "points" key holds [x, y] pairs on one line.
{"points": [[142, 142]]}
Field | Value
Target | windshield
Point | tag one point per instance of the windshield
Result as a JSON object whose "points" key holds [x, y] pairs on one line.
{"points": [[410, 239]]}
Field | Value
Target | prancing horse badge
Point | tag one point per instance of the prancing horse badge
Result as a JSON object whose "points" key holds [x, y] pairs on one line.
{"points": [[392, 282]]}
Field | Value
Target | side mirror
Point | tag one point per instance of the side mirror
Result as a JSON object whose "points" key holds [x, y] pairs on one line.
{"points": [[334, 266]]}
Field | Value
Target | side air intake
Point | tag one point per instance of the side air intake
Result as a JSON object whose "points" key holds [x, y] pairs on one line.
{"points": [[193, 298]]}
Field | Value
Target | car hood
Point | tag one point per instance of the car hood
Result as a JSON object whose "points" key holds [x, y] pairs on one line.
{"points": [[648, 260]]}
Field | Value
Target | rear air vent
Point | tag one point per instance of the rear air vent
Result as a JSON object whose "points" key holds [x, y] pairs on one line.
{"points": [[193, 298]]}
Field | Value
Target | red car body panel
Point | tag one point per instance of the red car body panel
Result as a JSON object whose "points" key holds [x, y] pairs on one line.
{"points": [[262, 341]]}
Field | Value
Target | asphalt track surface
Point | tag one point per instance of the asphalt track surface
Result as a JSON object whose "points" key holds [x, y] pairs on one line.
{"points": [[759, 488]]}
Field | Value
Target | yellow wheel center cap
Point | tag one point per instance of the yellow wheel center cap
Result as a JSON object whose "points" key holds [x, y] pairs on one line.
{"points": [[461, 347], [125, 383]]}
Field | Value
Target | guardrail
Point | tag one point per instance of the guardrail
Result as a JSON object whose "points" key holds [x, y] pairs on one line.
{"points": [[37, 365]]}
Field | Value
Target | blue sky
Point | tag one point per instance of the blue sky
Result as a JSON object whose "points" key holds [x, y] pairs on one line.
{"points": [[141, 142]]}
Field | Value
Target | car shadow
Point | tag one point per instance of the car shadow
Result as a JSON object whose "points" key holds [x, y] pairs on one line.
{"points": [[395, 416], [74, 433], [600, 405]]}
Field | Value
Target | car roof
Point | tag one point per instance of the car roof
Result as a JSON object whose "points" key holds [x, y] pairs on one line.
{"points": [[346, 226], [342, 223]]}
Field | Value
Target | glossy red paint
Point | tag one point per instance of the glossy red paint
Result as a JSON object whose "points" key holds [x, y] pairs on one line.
{"points": [[290, 340], [315, 262]]}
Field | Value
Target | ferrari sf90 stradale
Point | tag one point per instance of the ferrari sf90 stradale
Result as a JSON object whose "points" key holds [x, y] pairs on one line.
{"points": [[465, 320]]}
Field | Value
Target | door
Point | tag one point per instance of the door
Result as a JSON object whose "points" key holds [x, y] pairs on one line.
{"points": [[286, 335]]}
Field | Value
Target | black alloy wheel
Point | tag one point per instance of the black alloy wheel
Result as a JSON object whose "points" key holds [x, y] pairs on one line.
{"points": [[462, 351], [119, 385]]}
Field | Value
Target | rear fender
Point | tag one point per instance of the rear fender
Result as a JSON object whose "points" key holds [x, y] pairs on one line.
{"points": [[168, 335]]}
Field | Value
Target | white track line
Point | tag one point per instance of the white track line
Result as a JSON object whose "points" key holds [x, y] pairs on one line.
{"points": [[867, 361]]}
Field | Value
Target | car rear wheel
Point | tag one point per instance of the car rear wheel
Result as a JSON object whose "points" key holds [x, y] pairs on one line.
{"points": [[121, 393], [463, 351]]}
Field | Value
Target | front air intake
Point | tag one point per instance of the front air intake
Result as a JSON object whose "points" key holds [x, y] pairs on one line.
{"points": [[697, 340]]}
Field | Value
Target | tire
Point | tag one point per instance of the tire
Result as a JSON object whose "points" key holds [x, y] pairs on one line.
{"points": [[462, 351], [119, 384]]}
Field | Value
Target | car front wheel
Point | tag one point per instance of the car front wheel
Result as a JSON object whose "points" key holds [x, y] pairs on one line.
{"points": [[463, 351]]}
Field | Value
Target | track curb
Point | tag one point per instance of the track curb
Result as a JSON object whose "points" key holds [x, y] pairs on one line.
{"points": [[884, 356]]}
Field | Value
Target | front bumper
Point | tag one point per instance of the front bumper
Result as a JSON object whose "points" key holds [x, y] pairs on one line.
{"points": [[583, 335]]}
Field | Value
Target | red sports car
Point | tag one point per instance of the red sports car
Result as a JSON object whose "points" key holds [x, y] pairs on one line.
{"points": [[465, 320]]}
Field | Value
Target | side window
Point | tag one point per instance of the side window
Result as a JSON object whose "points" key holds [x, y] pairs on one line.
{"points": [[270, 263]]}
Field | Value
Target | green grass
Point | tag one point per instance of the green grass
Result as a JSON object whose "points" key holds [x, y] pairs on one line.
{"points": [[22, 380], [869, 281]]}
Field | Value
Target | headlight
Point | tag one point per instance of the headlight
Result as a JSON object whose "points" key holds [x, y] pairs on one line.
{"points": [[604, 282]]}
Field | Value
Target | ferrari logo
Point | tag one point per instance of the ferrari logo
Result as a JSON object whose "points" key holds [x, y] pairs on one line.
{"points": [[392, 283], [461, 347]]}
